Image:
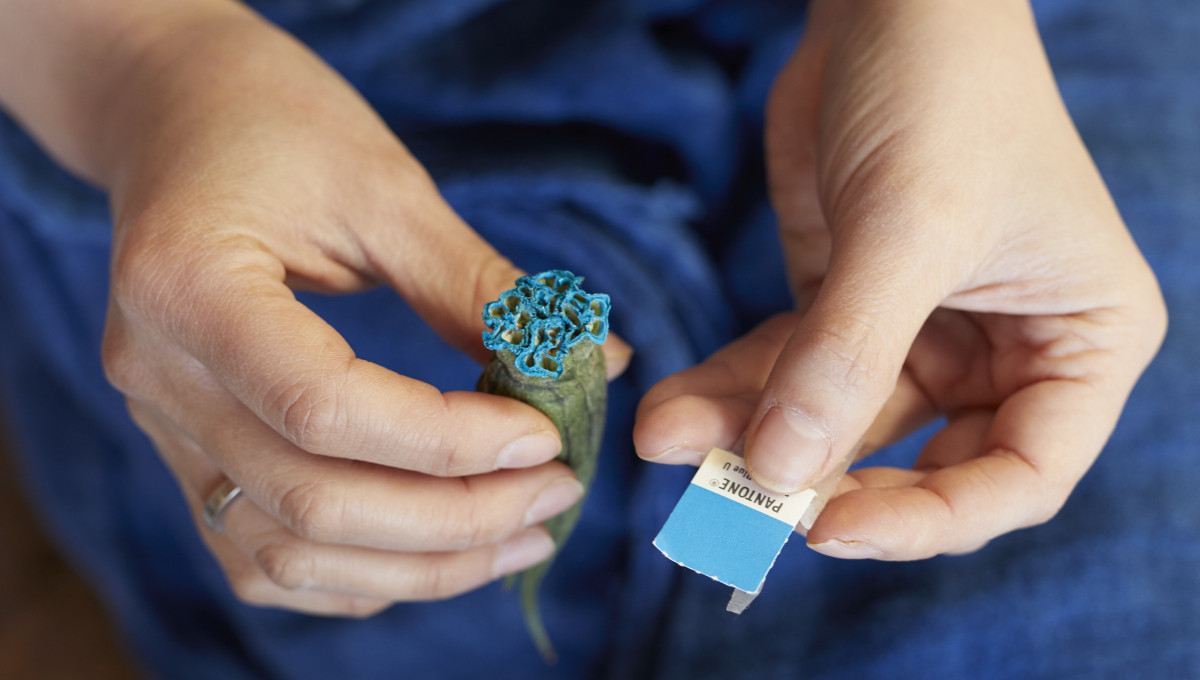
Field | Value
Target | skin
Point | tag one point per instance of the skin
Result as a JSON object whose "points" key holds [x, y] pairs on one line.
{"points": [[240, 168], [952, 251]]}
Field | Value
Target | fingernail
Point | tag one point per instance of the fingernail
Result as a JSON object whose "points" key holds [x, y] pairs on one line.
{"points": [[678, 455], [529, 450], [789, 450], [522, 551], [554, 499], [847, 550]]}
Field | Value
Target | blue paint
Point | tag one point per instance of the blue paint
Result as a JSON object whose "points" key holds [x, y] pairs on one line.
{"points": [[542, 318]]}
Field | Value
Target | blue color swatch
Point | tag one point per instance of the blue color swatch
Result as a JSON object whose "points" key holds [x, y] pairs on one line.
{"points": [[722, 538]]}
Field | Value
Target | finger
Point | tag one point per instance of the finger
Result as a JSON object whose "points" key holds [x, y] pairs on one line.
{"points": [[452, 275], [253, 586], [235, 315], [792, 118], [681, 431], [297, 565], [840, 366], [1039, 444], [908, 409], [398, 510], [302, 575], [963, 437], [196, 476], [949, 510], [328, 500], [682, 417], [617, 355]]}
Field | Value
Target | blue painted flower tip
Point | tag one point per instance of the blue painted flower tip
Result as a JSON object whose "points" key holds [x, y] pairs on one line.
{"points": [[542, 318]]}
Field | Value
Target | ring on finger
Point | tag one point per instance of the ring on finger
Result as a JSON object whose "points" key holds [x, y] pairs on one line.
{"points": [[216, 505]]}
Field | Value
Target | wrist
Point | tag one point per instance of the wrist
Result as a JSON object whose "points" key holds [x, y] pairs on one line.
{"points": [[66, 68], [160, 80]]}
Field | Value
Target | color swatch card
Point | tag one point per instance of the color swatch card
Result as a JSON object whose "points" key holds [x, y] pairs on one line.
{"points": [[729, 528]]}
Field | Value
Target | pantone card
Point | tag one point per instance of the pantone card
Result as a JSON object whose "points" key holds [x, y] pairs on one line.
{"points": [[729, 528]]}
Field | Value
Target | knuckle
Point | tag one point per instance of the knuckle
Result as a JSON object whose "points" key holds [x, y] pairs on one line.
{"points": [[452, 462], [288, 564], [250, 588], [1049, 507], [429, 453], [130, 277], [433, 445], [142, 279], [445, 459], [663, 390], [308, 413], [1045, 493], [855, 353], [313, 510], [471, 527], [1157, 322], [432, 583], [123, 368], [438, 581]]}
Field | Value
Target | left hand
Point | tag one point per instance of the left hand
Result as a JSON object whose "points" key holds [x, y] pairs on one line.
{"points": [[952, 250]]}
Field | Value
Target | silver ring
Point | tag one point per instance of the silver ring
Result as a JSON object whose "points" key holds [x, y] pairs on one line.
{"points": [[217, 503]]}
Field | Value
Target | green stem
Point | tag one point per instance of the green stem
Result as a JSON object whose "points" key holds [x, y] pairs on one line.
{"points": [[576, 403]]}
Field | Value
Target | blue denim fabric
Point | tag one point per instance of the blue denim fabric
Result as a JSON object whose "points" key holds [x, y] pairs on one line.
{"points": [[621, 140]]}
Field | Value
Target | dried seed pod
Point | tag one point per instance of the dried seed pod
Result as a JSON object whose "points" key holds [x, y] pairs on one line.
{"points": [[545, 334]]}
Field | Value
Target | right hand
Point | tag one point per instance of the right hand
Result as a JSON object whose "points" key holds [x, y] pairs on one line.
{"points": [[247, 169], [953, 252]]}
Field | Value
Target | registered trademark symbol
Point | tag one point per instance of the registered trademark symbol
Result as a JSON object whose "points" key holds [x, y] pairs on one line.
{"points": [[713, 483]]}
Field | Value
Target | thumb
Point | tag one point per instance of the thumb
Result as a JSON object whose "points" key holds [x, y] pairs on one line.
{"points": [[839, 367], [447, 272]]}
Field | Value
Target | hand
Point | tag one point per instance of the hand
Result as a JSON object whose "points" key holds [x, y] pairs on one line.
{"points": [[952, 250], [246, 169]]}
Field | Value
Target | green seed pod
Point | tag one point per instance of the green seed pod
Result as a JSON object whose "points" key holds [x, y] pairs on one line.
{"points": [[545, 333]]}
